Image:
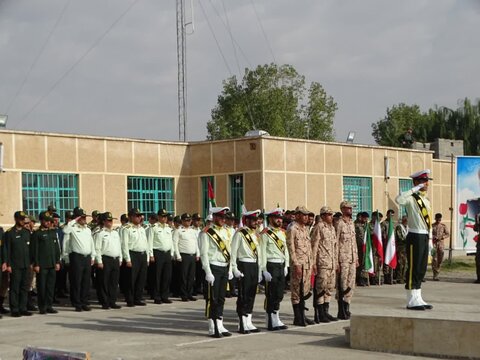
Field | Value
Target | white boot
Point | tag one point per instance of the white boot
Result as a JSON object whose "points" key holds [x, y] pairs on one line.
{"points": [[250, 326], [211, 327], [413, 303], [278, 322], [419, 295], [243, 325], [221, 328]]}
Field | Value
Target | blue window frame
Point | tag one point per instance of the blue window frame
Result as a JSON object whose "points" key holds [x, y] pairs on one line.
{"points": [[205, 199], [236, 194], [358, 191], [150, 194], [39, 190], [404, 185]]}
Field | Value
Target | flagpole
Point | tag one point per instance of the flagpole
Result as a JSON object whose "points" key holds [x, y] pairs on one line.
{"points": [[450, 250]]}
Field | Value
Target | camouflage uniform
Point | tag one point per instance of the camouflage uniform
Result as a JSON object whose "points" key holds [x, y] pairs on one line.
{"points": [[362, 276], [348, 258], [325, 256], [300, 251], [439, 233], [401, 247]]}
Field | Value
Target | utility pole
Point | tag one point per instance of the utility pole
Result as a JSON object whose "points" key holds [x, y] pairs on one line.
{"points": [[182, 71]]}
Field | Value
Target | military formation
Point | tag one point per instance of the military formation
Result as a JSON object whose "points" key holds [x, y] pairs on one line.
{"points": [[320, 257]]}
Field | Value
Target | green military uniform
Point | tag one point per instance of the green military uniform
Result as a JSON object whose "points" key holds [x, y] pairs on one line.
{"points": [[401, 232], [361, 276]]}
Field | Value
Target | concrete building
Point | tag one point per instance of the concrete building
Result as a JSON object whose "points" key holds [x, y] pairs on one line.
{"points": [[115, 174]]}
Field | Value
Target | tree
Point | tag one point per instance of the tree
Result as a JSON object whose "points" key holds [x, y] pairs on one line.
{"points": [[275, 99]]}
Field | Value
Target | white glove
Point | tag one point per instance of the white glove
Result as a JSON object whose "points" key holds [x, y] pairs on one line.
{"points": [[260, 277], [418, 187], [230, 275], [210, 278], [285, 271], [238, 274], [267, 276], [430, 247]]}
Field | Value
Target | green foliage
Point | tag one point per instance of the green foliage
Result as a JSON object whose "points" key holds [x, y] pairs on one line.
{"points": [[275, 99]]}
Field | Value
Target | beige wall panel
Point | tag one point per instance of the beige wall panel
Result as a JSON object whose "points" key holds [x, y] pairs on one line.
{"points": [[200, 160], [91, 192], [91, 154], [7, 141], [253, 190], [365, 162], [223, 156], [446, 176], [418, 162], [334, 190], [119, 157], [392, 156], [392, 192], [315, 193], [295, 190], [437, 172], [30, 152], [404, 164], [62, 154], [273, 154], [221, 189], [295, 156], [116, 195], [315, 158], [380, 200], [349, 161], [274, 190], [446, 201], [183, 195], [378, 162], [333, 158], [10, 196], [248, 155], [174, 160], [146, 158]]}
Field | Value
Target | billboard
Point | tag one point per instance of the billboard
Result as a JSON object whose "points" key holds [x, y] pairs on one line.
{"points": [[468, 201]]}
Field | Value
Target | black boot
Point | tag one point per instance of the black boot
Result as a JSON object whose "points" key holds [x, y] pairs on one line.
{"points": [[326, 306], [216, 333], [2, 309], [307, 320], [269, 322], [321, 314], [30, 303], [342, 315], [298, 315], [316, 316], [347, 309]]}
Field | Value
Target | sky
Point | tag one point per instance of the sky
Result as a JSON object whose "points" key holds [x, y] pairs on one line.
{"points": [[109, 67]]}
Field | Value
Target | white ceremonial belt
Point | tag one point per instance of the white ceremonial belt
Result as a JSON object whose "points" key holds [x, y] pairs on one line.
{"points": [[276, 261], [219, 263], [418, 231], [248, 260]]}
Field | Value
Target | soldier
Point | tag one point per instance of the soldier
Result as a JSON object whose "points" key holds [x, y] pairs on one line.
{"points": [[46, 262], [244, 262], [136, 253], [376, 277], [401, 232], [79, 253], [17, 263], [215, 255], [185, 242], [94, 223], [274, 266], [301, 265], [325, 257], [160, 239], [108, 257], [418, 208], [30, 273], [61, 278], [123, 268], [199, 273], [152, 220], [439, 234], [387, 270], [360, 225], [230, 228], [347, 258]]}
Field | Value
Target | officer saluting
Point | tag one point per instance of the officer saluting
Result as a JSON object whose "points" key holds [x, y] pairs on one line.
{"points": [[244, 262], [215, 255], [46, 262], [418, 209], [274, 266]]}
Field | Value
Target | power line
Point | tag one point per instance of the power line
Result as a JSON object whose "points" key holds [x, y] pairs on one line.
{"points": [[79, 60], [40, 53], [263, 30]]}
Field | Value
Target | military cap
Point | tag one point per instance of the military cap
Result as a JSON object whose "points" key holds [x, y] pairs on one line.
{"points": [[421, 175], [186, 216], [162, 212], [230, 215], [106, 216], [346, 204], [46, 216], [390, 211], [326, 210], [20, 215], [301, 210], [252, 214], [32, 218], [94, 213], [209, 217], [55, 215], [52, 208], [365, 214], [79, 212], [177, 219], [153, 216], [69, 215], [337, 215], [220, 211], [169, 217], [277, 212], [134, 211], [124, 217], [196, 216]]}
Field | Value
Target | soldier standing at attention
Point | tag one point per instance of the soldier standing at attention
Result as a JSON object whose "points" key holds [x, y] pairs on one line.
{"points": [[401, 231], [185, 242], [199, 273], [439, 234], [325, 256], [94, 223], [347, 258], [46, 262], [215, 255], [160, 239], [244, 262], [360, 227], [418, 209], [136, 253], [274, 266], [230, 229], [301, 264], [79, 252], [17, 263], [108, 257]]}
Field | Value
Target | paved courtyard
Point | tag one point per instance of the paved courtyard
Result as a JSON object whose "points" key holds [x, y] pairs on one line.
{"points": [[179, 330]]}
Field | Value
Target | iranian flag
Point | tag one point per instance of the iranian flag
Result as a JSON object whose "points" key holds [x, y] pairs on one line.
{"points": [[367, 251], [391, 251], [211, 195], [377, 239], [244, 211]]}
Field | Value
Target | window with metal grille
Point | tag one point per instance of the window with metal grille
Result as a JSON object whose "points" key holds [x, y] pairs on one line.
{"points": [[39, 190], [358, 191], [404, 185], [205, 199], [236, 194], [150, 194]]}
